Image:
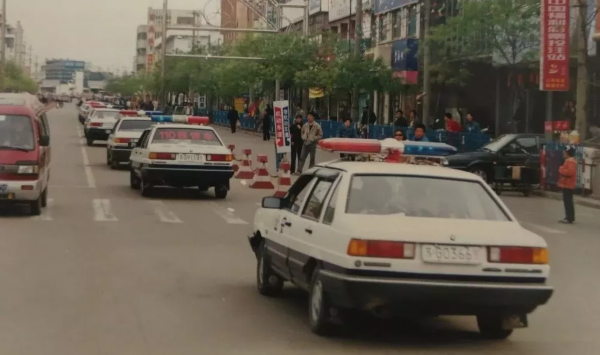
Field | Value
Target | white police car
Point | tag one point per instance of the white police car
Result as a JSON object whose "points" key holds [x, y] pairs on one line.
{"points": [[99, 124], [125, 135], [400, 238], [186, 154]]}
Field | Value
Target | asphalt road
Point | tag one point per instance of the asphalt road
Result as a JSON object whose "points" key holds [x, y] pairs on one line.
{"points": [[105, 271]]}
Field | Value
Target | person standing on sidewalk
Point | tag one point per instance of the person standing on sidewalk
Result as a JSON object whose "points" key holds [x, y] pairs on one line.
{"points": [[567, 182], [347, 131], [311, 134], [266, 128], [297, 142], [233, 117]]}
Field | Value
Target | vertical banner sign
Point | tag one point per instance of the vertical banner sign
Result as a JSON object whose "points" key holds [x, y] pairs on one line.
{"points": [[282, 127], [554, 58], [150, 38]]}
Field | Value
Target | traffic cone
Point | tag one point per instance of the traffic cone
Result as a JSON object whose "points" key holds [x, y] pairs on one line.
{"points": [[262, 179], [245, 171], [284, 180], [234, 164]]}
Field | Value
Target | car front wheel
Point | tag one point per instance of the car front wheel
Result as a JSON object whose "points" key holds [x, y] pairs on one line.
{"points": [[481, 172]]}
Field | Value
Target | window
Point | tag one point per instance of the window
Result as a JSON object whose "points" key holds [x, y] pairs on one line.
{"points": [[383, 27], [330, 211], [298, 192], [314, 206], [135, 125], [16, 133], [424, 197], [523, 145], [412, 21], [186, 135], [397, 24], [143, 142]]}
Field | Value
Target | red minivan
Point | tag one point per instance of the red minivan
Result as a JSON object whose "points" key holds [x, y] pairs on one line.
{"points": [[24, 153]]}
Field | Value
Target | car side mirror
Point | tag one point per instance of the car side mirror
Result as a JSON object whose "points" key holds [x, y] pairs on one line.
{"points": [[45, 140], [272, 202]]}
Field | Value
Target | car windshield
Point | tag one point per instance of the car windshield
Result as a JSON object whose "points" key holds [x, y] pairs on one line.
{"points": [[16, 132], [186, 135], [498, 143], [107, 114], [135, 125], [418, 196]]}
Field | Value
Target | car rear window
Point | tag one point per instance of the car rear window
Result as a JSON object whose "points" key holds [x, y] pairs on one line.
{"points": [[418, 196], [107, 114], [16, 132], [186, 135], [135, 125]]}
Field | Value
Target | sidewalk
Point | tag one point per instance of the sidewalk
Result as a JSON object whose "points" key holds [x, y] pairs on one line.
{"points": [[588, 201]]}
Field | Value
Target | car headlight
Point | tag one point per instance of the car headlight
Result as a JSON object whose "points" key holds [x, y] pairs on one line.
{"points": [[28, 169]]}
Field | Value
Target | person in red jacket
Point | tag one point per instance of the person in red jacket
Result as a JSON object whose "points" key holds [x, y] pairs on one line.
{"points": [[451, 124], [567, 181]]}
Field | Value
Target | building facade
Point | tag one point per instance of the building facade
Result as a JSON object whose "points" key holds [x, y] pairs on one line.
{"points": [[141, 48]]}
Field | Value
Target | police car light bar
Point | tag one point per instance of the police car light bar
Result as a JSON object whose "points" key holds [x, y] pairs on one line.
{"points": [[149, 113], [360, 146], [128, 113], [195, 120], [428, 149]]}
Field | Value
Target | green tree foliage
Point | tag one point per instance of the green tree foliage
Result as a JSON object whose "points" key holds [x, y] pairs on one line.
{"points": [[17, 81], [130, 85]]}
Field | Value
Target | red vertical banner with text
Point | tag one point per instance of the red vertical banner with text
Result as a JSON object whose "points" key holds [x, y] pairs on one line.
{"points": [[554, 46]]}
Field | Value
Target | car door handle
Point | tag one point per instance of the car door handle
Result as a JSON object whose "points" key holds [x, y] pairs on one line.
{"points": [[308, 230]]}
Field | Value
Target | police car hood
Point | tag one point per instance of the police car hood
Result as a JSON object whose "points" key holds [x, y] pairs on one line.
{"points": [[440, 230], [190, 148]]}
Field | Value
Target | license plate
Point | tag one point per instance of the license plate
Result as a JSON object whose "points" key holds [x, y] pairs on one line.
{"points": [[198, 158], [3, 189], [450, 254]]}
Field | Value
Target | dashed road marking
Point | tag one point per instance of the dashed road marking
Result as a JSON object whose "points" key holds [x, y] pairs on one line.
{"points": [[228, 216], [163, 214], [103, 211], [89, 175]]}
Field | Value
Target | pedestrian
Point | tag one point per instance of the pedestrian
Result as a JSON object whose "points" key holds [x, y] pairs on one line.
{"points": [[267, 117], [420, 135], [569, 112], [567, 181], [400, 120], [233, 117], [399, 135], [297, 142], [472, 126], [412, 118], [347, 131], [311, 134], [451, 124], [299, 111]]}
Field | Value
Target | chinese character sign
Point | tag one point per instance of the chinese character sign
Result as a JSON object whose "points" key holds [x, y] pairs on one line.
{"points": [[554, 58], [282, 126]]}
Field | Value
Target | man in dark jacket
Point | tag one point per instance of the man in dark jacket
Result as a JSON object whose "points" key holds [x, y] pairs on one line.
{"points": [[400, 120], [297, 142], [267, 117], [347, 131], [233, 117]]}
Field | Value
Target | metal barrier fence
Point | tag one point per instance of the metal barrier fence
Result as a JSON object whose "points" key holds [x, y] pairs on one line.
{"points": [[555, 158], [464, 142]]}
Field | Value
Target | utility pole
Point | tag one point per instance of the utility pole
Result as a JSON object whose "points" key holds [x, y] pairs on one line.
{"points": [[163, 91], [357, 54], [3, 49], [426, 65], [582, 72], [195, 13], [278, 22]]}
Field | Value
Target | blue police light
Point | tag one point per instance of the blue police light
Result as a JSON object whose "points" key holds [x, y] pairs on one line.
{"points": [[153, 113], [428, 149], [162, 119]]}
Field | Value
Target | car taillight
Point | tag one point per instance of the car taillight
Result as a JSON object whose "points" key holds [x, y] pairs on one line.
{"points": [[95, 124], [162, 156], [122, 140], [219, 157], [518, 255], [381, 249]]}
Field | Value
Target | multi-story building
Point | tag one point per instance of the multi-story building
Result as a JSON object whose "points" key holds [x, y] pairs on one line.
{"points": [[141, 48]]}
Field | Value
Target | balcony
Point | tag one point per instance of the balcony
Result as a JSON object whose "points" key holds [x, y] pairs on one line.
{"points": [[141, 59], [141, 43]]}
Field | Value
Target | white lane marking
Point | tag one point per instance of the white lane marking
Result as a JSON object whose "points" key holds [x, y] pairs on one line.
{"points": [[545, 229], [164, 215], [45, 216], [229, 217], [86, 167], [103, 211]]}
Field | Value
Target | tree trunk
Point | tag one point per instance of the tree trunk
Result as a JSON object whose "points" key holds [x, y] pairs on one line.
{"points": [[582, 76]]}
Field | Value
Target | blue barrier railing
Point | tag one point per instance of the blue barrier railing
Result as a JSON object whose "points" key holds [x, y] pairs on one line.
{"points": [[463, 142], [555, 158]]}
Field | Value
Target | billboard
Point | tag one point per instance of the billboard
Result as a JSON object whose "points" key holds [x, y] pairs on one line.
{"points": [[283, 142], [554, 45], [404, 55]]}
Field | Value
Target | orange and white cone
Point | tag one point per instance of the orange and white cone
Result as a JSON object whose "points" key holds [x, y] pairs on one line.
{"points": [[234, 164], [245, 170], [284, 180], [262, 179]]}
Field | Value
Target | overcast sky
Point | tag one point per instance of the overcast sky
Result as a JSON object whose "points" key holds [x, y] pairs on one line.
{"points": [[99, 31]]}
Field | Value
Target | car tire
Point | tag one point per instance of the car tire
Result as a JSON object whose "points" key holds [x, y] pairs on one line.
{"points": [[145, 188], [490, 327], [114, 165], [35, 207], [108, 158], [268, 282], [45, 198], [90, 142], [221, 192], [481, 172], [319, 307], [134, 181]]}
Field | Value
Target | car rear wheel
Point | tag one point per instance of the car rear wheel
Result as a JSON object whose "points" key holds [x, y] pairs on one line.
{"points": [[114, 165], [108, 158], [145, 187], [267, 282], [319, 307], [90, 142], [35, 207], [45, 198], [490, 327], [134, 181], [221, 191]]}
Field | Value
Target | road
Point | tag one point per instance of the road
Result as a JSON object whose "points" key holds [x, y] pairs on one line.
{"points": [[106, 272]]}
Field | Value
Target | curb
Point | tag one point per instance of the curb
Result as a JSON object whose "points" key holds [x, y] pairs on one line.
{"points": [[578, 201]]}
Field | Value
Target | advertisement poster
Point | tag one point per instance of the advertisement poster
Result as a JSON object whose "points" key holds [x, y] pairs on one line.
{"points": [[554, 58], [282, 126]]}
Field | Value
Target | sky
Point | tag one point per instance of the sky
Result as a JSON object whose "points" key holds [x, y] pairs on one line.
{"points": [[102, 32]]}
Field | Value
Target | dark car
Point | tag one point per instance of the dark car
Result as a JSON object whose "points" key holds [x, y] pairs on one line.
{"points": [[506, 150]]}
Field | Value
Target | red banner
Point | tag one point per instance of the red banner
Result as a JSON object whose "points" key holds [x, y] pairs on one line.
{"points": [[554, 57], [554, 126]]}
